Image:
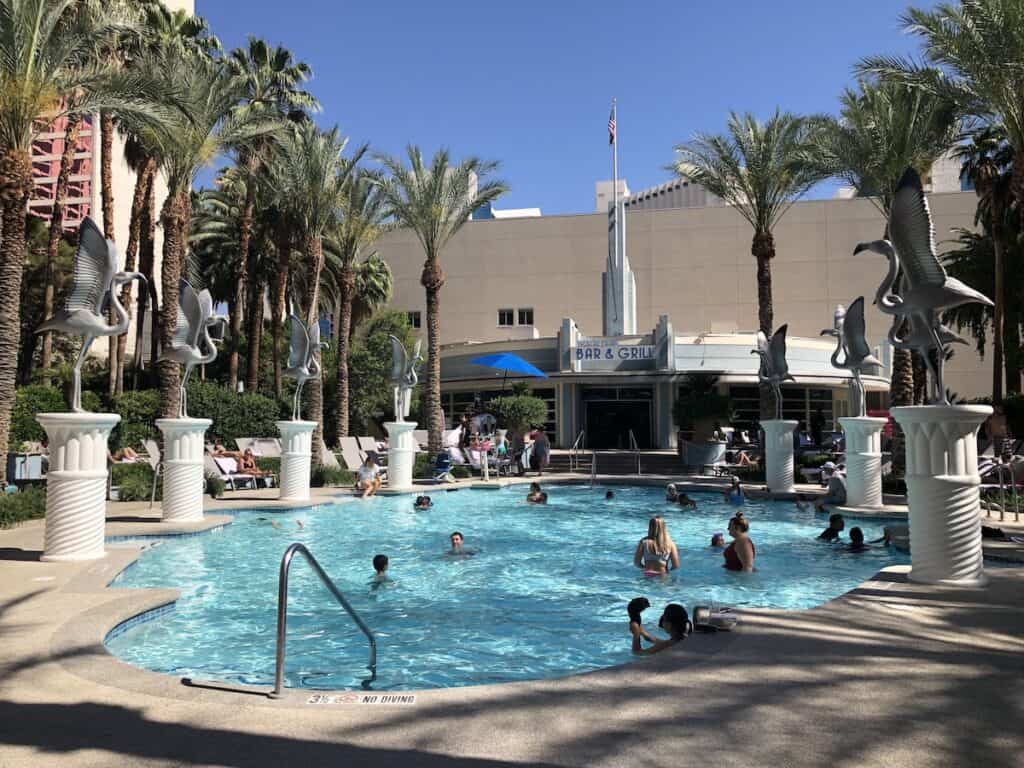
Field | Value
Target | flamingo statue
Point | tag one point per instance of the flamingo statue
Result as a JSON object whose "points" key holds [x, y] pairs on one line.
{"points": [[926, 289], [94, 287], [774, 369], [191, 335], [404, 375], [303, 362], [849, 330]]}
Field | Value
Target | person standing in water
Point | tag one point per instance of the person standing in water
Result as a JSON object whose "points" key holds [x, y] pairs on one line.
{"points": [[739, 555], [656, 553]]}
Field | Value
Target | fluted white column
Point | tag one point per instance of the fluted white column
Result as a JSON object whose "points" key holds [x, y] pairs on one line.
{"points": [[863, 461], [184, 478], [942, 491], [401, 454], [76, 484], [296, 450], [778, 455]]}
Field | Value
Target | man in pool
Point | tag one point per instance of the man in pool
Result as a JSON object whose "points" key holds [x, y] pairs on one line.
{"points": [[856, 541], [609, 495], [423, 502], [685, 502], [380, 565], [458, 549], [835, 526]]}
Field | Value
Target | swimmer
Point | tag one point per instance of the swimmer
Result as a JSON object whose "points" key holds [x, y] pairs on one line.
{"points": [[686, 502], [835, 525], [676, 622], [717, 540], [534, 496], [636, 628], [423, 502], [458, 549], [656, 553], [856, 541], [543, 498], [380, 566], [671, 494], [735, 494], [609, 495]]}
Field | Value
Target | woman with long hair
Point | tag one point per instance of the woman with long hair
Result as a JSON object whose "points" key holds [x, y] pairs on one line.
{"points": [[739, 555], [676, 622], [656, 552]]}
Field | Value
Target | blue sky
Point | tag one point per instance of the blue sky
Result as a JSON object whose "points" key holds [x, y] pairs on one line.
{"points": [[530, 83]]}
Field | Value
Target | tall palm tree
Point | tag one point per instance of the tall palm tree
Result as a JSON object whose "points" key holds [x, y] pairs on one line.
{"points": [[270, 80], [882, 129], [208, 126], [309, 175], [362, 215], [435, 201], [973, 55], [47, 62], [759, 169], [374, 287]]}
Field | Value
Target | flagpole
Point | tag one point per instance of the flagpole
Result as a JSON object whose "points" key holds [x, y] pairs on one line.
{"points": [[615, 177]]}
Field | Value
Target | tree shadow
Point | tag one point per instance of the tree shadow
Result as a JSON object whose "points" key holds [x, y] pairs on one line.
{"points": [[16, 554]]}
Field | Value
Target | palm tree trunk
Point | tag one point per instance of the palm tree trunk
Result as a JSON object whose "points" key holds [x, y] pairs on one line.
{"points": [[67, 159], [920, 373], [1011, 349], [1000, 306], [313, 252], [763, 249], [277, 307], [432, 280], [254, 333], [901, 392], [175, 223], [244, 243], [115, 343], [15, 184], [147, 243], [143, 183], [346, 287]]}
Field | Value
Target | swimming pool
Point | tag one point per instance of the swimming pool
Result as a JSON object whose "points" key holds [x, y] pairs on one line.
{"points": [[544, 597]]}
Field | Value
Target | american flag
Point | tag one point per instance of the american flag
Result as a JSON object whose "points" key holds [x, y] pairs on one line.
{"points": [[611, 126]]}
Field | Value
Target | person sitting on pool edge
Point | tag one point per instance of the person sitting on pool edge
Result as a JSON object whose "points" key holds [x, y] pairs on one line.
{"points": [[368, 478], [835, 525], [676, 622], [734, 495], [423, 502], [685, 502], [836, 495], [380, 565], [671, 494], [739, 555], [534, 496], [636, 628], [656, 552], [856, 541]]}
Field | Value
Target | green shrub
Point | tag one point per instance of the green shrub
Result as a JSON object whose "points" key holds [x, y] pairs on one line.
{"points": [[424, 468], [138, 411], [29, 504], [323, 477], [233, 414], [519, 411], [36, 398], [134, 482], [269, 464], [813, 459], [214, 486]]}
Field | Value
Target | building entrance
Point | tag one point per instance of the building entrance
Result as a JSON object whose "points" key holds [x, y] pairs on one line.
{"points": [[610, 413]]}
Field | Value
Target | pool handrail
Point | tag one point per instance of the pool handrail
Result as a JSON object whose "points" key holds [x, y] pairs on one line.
{"points": [[575, 450], [282, 615], [634, 446]]}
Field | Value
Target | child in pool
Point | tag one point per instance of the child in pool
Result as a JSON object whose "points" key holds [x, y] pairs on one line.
{"points": [[636, 628], [535, 494], [380, 565]]}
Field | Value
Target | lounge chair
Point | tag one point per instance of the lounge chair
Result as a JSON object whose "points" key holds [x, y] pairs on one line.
{"points": [[350, 453], [267, 447], [152, 458], [422, 437], [367, 444], [226, 468]]}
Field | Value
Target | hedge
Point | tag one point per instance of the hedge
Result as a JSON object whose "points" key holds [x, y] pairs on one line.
{"points": [[138, 411], [36, 398], [234, 415], [134, 481], [29, 504]]}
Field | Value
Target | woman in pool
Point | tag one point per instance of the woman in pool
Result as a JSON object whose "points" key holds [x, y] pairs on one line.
{"points": [[656, 552], [735, 493], [534, 496], [676, 622], [671, 494], [636, 627], [423, 502], [739, 555]]}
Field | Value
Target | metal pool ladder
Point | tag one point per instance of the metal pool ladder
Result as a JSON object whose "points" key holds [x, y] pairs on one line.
{"points": [[282, 615]]}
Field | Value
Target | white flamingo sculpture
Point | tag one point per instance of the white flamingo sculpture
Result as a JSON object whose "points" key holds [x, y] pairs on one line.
{"points": [[774, 368], [925, 289], [95, 286], [404, 375], [191, 335], [849, 331], [303, 362]]}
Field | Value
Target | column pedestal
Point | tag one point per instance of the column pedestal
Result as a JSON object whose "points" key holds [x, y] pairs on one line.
{"points": [[296, 450], [76, 484], [778, 455], [942, 492], [401, 454], [863, 461], [184, 478]]}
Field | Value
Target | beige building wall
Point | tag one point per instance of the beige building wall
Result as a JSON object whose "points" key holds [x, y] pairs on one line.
{"points": [[692, 264]]}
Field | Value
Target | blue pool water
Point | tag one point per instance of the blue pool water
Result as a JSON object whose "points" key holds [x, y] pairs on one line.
{"points": [[545, 596]]}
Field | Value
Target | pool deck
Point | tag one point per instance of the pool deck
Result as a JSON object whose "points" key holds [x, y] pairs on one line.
{"points": [[891, 674]]}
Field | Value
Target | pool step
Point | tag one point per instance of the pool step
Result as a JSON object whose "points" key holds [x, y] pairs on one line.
{"points": [[621, 463]]}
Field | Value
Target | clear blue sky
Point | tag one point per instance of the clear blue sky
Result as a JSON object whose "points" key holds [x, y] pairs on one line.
{"points": [[530, 83]]}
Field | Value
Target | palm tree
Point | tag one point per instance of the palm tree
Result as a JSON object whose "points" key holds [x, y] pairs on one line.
{"points": [[208, 126], [882, 129], [973, 55], [758, 168], [435, 201], [309, 175], [362, 214], [48, 67], [374, 287], [270, 80]]}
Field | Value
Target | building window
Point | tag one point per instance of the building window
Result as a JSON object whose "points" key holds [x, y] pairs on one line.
{"points": [[415, 319], [505, 317], [526, 315]]}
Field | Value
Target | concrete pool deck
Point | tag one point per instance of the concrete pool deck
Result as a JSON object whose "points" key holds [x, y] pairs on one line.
{"points": [[891, 674]]}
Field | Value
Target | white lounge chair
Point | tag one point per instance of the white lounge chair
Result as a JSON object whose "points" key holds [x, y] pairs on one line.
{"points": [[329, 459], [350, 453], [422, 437], [152, 458], [226, 468], [367, 444]]}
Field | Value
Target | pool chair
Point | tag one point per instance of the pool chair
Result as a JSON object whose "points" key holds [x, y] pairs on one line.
{"points": [[422, 437], [152, 458], [443, 468], [226, 469], [350, 453], [367, 444]]}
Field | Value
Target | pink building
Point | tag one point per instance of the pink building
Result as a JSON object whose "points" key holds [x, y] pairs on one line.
{"points": [[46, 155]]}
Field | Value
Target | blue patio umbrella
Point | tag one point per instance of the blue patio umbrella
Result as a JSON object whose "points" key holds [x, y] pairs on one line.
{"points": [[506, 361]]}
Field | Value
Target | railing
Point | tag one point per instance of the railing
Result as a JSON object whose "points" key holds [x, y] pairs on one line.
{"points": [[575, 450], [634, 446], [593, 468], [282, 615]]}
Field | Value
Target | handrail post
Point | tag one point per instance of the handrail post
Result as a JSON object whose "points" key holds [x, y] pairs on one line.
{"points": [[282, 616]]}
